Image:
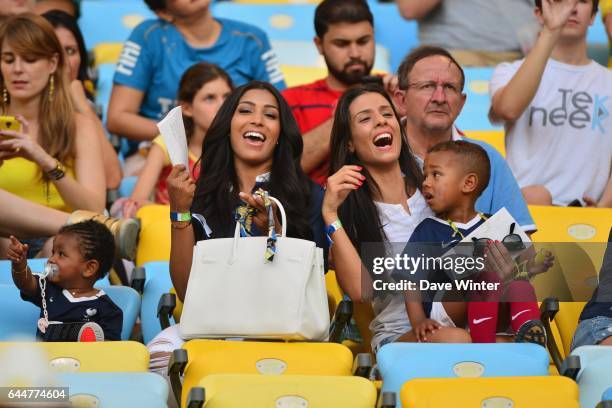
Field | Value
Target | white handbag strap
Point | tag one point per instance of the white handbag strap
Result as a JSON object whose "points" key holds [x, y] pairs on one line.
{"points": [[283, 215], [283, 219]]}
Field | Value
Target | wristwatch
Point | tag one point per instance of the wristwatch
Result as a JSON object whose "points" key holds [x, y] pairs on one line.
{"points": [[58, 172]]}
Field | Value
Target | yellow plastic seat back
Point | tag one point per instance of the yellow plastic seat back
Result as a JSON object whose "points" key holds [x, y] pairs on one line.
{"points": [[106, 356], [566, 321], [334, 293], [495, 138], [208, 357], [258, 391], [154, 242], [363, 315], [493, 392]]}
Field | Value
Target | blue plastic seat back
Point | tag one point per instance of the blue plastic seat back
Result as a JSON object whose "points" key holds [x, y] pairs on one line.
{"points": [[129, 301], [117, 389], [23, 316], [37, 265], [400, 362], [595, 374], [157, 282], [607, 395], [18, 319]]}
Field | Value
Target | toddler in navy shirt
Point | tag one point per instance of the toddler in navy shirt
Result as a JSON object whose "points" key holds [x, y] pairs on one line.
{"points": [[76, 311]]}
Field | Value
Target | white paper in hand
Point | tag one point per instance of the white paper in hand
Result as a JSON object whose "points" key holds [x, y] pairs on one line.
{"points": [[173, 132]]}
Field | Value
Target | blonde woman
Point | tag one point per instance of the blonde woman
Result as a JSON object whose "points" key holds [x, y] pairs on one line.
{"points": [[55, 158]]}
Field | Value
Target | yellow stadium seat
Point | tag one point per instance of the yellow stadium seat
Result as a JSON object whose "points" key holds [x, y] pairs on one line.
{"points": [[206, 357], [259, 391], [363, 315], [154, 244], [299, 75], [107, 356], [494, 392], [107, 53], [571, 224], [577, 237], [493, 137], [334, 293], [566, 321]]}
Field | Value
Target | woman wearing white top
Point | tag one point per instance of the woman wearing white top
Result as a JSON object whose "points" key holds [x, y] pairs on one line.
{"points": [[374, 192]]}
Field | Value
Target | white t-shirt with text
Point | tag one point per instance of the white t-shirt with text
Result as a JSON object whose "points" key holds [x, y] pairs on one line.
{"points": [[563, 139]]}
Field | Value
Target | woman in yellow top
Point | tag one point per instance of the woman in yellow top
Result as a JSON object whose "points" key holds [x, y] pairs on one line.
{"points": [[55, 158]]}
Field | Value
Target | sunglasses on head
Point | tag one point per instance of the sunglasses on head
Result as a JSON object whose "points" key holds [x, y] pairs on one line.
{"points": [[513, 242]]}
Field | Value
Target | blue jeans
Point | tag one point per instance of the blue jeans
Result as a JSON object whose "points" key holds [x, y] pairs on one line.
{"points": [[592, 331]]}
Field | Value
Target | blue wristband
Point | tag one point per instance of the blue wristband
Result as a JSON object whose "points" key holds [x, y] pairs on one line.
{"points": [[331, 228], [178, 216]]}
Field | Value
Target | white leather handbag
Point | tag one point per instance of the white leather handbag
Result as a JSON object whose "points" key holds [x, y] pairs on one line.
{"points": [[234, 292]]}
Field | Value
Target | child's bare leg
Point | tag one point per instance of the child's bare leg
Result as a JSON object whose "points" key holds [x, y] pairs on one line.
{"points": [[606, 342], [442, 335], [457, 311]]}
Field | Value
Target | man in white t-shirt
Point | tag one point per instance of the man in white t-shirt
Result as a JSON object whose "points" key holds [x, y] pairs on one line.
{"points": [[556, 106]]}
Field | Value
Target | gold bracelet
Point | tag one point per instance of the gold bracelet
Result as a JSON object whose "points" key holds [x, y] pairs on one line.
{"points": [[58, 172], [180, 224]]}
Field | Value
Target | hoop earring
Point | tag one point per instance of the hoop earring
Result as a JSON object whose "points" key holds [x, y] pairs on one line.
{"points": [[51, 88], [5, 96]]}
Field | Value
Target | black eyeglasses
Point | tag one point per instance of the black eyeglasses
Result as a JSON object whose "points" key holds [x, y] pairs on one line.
{"points": [[513, 242]]}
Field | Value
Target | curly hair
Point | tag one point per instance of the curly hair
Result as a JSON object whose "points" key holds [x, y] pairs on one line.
{"points": [[95, 243]]}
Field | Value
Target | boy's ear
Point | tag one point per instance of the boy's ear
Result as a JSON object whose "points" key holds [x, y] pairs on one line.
{"points": [[470, 183], [91, 269]]}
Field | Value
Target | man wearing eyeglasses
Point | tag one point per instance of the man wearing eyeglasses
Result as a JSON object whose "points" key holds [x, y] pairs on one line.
{"points": [[430, 97]]}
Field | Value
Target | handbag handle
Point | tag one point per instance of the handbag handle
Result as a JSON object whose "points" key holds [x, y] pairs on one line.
{"points": [[283, 219], [283, 216], [237, 230]]}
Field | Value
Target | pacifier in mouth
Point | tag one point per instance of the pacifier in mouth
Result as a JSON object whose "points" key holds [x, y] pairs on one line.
{"points": [[51, 270]]}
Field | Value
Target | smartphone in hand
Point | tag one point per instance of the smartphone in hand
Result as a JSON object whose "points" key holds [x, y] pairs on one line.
{"points": [[9, 123]]}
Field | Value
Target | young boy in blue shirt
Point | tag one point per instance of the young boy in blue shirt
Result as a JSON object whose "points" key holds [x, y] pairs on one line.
{"points": [[456, 173]]}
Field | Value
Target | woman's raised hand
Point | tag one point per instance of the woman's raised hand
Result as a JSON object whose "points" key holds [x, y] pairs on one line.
{"points": [[260, 218], [22, 144], [339, 186], [181, 188]]}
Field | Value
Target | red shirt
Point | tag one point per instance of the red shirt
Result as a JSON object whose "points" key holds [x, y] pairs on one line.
{"points": [[312, 104], [161, 189]]}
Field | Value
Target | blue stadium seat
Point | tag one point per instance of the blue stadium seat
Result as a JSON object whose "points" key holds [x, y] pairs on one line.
{"points": [[594, 376], [129, 301], [127, 186], [101, 22], [474, 115], [37, 265], [607, 395], [19, 317], [21, 321], [400, 362], [116, 390], [157, 282]]}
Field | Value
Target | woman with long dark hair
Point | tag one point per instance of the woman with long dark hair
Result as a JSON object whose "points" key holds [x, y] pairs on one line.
{"points": [[252, 143], [373, 196]]}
